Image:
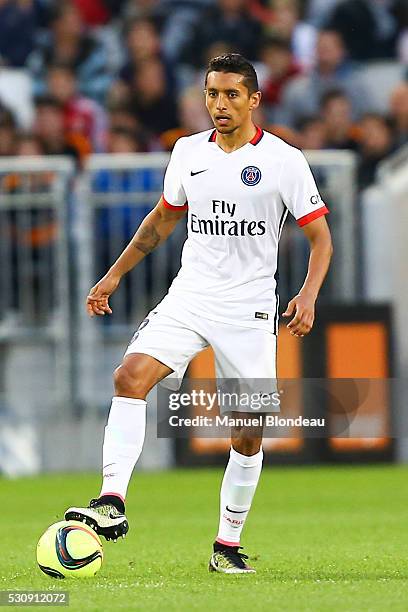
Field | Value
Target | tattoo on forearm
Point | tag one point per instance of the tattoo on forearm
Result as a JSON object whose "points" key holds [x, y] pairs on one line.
{"points": [[146, 239]]}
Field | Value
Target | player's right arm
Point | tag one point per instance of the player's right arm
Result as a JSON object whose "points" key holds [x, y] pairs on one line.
{"points": [[155, 228]]}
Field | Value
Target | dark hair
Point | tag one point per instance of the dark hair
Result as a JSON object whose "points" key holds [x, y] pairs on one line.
{"points": [[372, 116], [135, 135], [58, 9], [306, 121], [47, 100], [333, 94], [125, 132], [29, 137], [135, 21], [275, 42], [7, 119], [234, 62], [65, 66]]}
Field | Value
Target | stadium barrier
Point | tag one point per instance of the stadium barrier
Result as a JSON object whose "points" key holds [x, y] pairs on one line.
{"points": [[35, 304], [393, 179], [95, 219]]}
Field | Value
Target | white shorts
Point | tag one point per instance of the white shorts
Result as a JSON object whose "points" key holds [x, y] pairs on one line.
{"points": [[240, 352]]}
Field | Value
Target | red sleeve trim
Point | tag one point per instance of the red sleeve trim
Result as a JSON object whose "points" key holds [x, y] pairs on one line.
{"points": [[323, 210], [172, 207]]}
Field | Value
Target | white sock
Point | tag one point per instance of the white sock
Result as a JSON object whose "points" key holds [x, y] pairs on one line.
{"points": [[237, 491], [123, 443]]}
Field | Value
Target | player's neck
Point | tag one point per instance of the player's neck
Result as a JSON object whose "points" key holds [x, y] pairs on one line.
{"points": [[237, 139]]}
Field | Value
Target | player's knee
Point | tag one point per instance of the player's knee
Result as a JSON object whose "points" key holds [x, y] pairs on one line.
{"points": [[129, 383], [246, 440], [247, 446]]}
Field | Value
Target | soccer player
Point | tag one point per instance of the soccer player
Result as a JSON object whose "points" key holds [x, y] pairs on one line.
{"points": [[237, 184]]}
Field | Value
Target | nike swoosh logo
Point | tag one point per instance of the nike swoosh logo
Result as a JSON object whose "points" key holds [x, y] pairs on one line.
{"points": [[199, 172], [235, 511], [115, 516]]}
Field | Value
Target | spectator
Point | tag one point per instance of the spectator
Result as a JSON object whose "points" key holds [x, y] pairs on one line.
{"points": [[286, 22], [399, 113], [123, 140], [375, 145], [277, 57], [336, 114], [82, 116], [303, 94], [17, 31], [68, 42], [29, 144], [369, 27], [49, 127], [311, 133], [230, 22], [175, 20], [8, 133], [151, 98], [193, 117], [121, 116], [143, 43]]}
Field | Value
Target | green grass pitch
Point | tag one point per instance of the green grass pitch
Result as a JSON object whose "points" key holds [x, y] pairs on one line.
{"points": [[321, 539]]}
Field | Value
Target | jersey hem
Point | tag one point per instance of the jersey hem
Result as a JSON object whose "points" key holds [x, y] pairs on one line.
{"points": [[234, 323]]}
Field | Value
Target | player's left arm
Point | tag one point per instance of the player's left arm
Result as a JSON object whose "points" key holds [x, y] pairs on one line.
{"points": [[303, 304]]}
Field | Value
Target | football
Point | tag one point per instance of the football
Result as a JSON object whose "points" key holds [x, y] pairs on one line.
{"points": [[69, 549]]}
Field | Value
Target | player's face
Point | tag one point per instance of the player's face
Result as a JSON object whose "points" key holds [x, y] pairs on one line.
{"points": [[228, 100]]}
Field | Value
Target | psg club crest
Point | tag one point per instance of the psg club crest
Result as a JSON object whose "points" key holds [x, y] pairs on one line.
{"points": [[251, 175]]}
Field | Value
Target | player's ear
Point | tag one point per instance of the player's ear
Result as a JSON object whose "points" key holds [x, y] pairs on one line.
{"points": [[255, 100]]}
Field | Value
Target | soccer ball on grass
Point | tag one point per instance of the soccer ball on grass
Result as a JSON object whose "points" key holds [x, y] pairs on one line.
{"points": [[69, 549]]}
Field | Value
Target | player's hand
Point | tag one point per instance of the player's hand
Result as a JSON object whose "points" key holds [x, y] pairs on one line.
{"points": [[97, 301], [303, 307]]}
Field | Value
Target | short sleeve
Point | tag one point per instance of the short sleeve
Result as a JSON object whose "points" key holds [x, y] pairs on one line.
{"points": [[298, 189], [174, 196]]}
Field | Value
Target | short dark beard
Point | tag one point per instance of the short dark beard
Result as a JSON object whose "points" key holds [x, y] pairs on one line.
{"points": [[231, 131]]}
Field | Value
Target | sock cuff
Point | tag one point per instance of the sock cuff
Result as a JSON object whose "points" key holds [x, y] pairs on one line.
{"points": [[127, 400], [244, 460], [225, 543]]}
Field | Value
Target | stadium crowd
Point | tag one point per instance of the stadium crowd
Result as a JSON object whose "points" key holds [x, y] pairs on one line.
{"points": [[82, 76]]}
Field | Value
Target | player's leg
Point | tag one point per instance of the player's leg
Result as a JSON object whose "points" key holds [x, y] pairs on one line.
{"points": [[162, 345], [123, 443], [254, 362], [126, 426], [237, 492]]}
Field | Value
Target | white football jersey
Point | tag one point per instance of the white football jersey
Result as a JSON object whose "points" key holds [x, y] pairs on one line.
{"points": [[237, 204]]}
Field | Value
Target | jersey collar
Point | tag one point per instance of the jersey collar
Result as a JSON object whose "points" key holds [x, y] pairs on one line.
{"points": [[254, 141]]}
